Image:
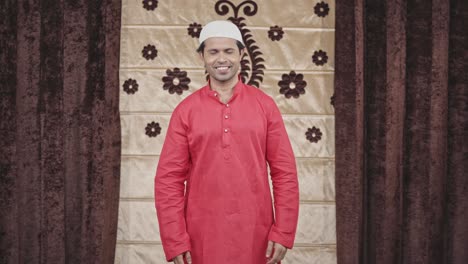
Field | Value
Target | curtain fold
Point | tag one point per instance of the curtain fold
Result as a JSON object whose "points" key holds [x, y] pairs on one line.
{"points": [[60, 126], [401, 132]]}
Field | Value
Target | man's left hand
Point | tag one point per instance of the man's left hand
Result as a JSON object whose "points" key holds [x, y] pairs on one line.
{"points": [[275, 252]]}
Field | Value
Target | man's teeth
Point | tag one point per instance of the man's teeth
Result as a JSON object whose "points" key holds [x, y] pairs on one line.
{"points": [[222, 68]]}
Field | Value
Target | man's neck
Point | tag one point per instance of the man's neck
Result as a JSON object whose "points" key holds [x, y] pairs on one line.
{"points": [[223, 87]]}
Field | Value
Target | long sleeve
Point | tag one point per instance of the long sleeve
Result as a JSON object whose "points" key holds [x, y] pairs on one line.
{"points": [[169, 187], [283, 172]]}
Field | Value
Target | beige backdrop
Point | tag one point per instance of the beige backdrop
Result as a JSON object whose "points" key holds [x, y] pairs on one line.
{"points": [[307, 28]]}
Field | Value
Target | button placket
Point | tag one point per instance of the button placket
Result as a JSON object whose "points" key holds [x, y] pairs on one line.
{"points": [[226, 121]]}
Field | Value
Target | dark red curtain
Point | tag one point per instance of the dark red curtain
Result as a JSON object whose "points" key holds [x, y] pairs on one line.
{"points": [[401, 131], [60, 130]]}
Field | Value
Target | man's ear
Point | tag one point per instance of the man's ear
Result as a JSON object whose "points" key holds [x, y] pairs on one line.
{"points": [[242, 51]]}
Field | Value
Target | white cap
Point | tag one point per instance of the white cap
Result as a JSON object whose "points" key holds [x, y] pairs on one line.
{"points": [[220, 28]]}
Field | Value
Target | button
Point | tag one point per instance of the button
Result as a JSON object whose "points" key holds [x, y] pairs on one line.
{"points": [[226, 116], [215, 94], [227, 105], [226, 130]]}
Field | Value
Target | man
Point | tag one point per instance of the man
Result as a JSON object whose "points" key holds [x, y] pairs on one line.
{"points": [[218, 143]]}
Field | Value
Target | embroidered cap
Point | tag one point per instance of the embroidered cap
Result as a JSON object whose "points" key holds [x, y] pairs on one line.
{"points": [[220, 28]]}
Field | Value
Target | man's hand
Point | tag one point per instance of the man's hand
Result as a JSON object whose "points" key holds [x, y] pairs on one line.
{"points": [[277, 250], [180, 258]]}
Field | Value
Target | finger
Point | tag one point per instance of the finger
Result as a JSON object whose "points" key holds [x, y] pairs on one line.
{"points": [[284, 253], [269, 249], [283, 250], [277, 253], [178, 260], [188, 257]]}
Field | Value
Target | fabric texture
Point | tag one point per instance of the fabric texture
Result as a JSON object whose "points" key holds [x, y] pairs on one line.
{"points": [[226, 215], [60, 131], [291, 59], [402, 127]]}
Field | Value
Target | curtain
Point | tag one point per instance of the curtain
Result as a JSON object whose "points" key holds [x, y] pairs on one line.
{"points": [[60, 131], [401, 131]]}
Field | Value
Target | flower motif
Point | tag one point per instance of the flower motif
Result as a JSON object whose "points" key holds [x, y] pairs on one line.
{"points": [[321, 9], [320, 57], [152, 129], [313, 134], [130, 86], [149, 52], [292, 85], [194, 30], [150, 4], [176, 81], [332, 100], [275, 33]]}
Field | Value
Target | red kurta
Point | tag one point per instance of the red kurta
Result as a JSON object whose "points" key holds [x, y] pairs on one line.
{"points": [[222, 151]]}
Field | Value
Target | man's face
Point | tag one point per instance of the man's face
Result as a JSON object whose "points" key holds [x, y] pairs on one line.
{"points": [[222, 58]]}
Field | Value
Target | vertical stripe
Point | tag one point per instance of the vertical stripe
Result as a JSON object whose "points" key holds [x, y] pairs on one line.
{"points": [[28, 133], [52, 130]]}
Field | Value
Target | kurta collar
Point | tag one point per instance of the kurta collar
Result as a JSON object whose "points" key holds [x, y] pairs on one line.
{"points": [[237, 90]]}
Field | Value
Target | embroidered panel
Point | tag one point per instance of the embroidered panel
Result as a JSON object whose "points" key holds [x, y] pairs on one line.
{"points": [[290, 56]]}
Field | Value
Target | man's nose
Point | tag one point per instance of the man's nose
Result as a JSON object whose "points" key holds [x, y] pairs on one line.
{"points": [[222, 58]]}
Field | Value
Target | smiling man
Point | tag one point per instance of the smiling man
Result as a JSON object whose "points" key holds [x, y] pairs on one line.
{"points": [[212, 190]]}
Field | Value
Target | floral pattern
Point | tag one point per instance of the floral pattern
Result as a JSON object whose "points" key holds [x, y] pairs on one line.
{"points": [[153, 129], [292, 85], [321, 9], [130, 86], [251, 66], [149, 52], [332, 100], [275, 33], [194, 30], [320, 57], [150, 5], [313, 134], [255, 60], [176, 81]]}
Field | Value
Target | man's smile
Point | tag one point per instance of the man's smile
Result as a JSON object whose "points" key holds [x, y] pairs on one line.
{"points": [[223, 68]]}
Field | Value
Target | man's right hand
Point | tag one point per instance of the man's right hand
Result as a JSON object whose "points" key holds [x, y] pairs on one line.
{"points": [[180, 258]]}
